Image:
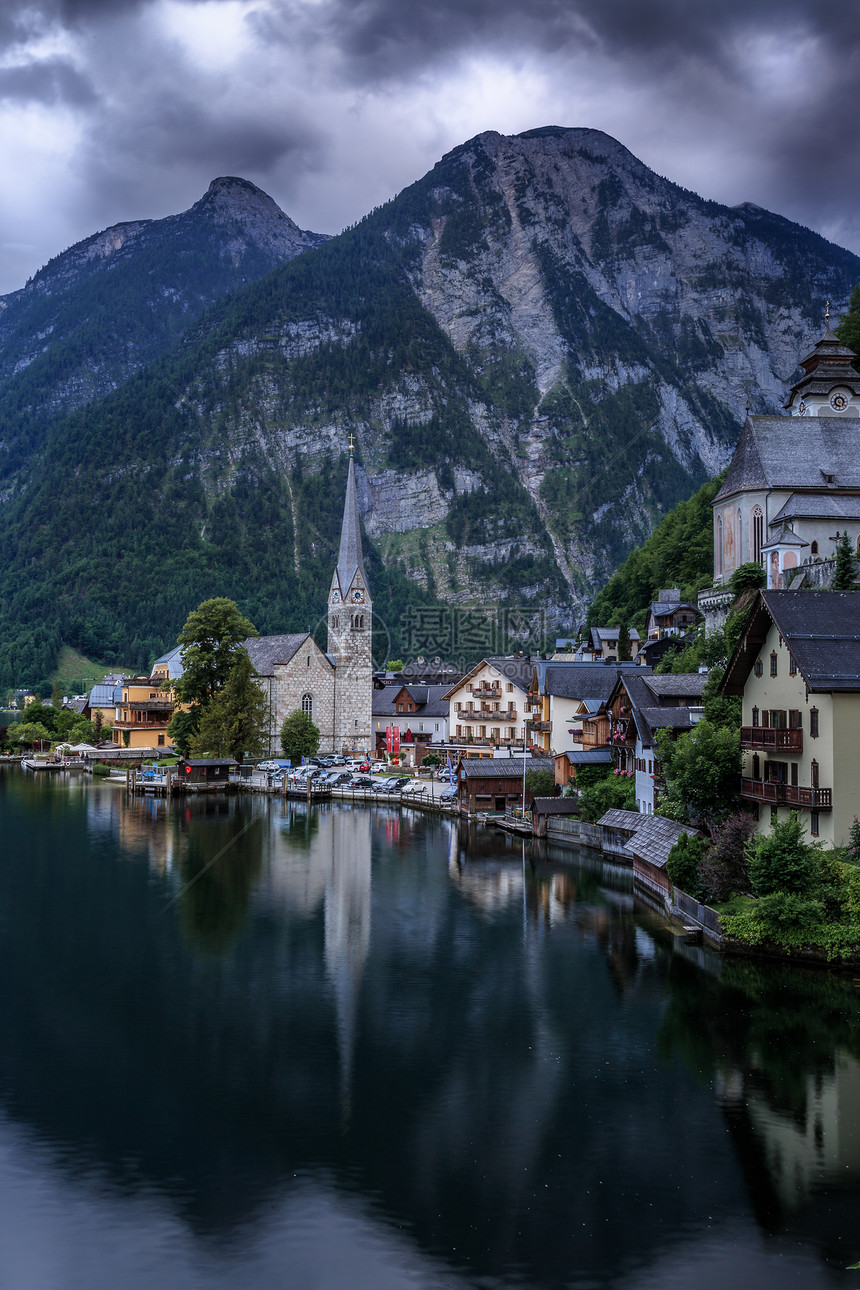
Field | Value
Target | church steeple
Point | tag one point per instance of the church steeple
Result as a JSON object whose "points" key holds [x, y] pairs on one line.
{"points": [[350, 560], [829, 386], [350, 630]]}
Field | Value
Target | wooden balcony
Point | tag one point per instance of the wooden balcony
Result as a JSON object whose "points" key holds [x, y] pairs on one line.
{"points": [[484, 714], [767, 739], [540, 727], [487, 691], [763, 790]]}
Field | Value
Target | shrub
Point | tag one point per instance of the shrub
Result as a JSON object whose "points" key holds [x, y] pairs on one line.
{"points": [[101, 769], [781, 860], [613, 792], [684, 865]]}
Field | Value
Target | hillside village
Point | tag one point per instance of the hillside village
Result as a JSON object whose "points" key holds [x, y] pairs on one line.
{"points": [[609, 701]]}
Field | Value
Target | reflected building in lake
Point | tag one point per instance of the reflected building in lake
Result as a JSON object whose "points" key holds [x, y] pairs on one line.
{"points": [[807, 1146]]}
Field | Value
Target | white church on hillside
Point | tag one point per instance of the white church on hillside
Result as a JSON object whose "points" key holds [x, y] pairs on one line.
{"points": [[793, 485]]}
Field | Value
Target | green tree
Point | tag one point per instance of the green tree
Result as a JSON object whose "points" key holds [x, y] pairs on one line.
{"points": [[683, 865], [29, 733], [212, 639], [98, 724], [703, 772], [394, 665], [432, 759], [846, 570], [57, 696], [748, 577], [782, 860], [848, 330], [235, 721], [183, 728], [299, 736], [612, 792], [540, 783], [623, 643]]}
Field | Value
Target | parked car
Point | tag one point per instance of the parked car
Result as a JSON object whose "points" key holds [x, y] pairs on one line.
{"points": [[361, 781], [338, 778], [449, 794]]}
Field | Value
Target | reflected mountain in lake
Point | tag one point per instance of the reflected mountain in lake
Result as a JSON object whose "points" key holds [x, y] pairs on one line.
{"points": [[375, 1041]]}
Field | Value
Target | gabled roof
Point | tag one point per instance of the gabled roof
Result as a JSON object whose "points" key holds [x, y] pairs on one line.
{"points": [[653, 836], [678, 684], [660, 608], [432, 704], [821, 628], [268, 651], [516, 670], [171, 662], [610, 634], [786, 536], [792, 452], [502, 767]]}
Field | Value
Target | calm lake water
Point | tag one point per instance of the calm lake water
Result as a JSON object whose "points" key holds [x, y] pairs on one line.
{"points": [[244, 1047]]}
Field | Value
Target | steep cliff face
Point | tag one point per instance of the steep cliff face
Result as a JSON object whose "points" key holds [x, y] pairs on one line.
{"points": [[541, 346], [117, 300]]}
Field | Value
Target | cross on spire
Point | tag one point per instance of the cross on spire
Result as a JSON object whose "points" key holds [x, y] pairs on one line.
{"points": [[352, 437]]}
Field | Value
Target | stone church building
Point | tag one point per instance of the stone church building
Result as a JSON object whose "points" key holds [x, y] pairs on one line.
{"points": [[333, 686], [793, 485]]}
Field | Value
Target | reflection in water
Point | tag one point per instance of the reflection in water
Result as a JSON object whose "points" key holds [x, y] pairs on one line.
{"points": [[377, 1048]]}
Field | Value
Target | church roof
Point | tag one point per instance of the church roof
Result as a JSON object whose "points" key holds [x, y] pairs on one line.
{"points": [[818, 506], [795, 453], [785, 537], [267, 651], [350, 559]]}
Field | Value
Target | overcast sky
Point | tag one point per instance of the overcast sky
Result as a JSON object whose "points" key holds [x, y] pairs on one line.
{"points": [[114, 110]]}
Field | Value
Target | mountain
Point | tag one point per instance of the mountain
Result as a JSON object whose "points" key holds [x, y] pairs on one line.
{"points": [[541, 347], [114, 302]]}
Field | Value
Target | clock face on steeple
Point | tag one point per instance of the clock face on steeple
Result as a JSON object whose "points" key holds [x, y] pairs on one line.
{"points": [[335, 597], [357, 596]]}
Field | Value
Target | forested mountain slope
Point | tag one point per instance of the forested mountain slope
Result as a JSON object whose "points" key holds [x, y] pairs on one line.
{"points": [[111, 304], [541, 347]]}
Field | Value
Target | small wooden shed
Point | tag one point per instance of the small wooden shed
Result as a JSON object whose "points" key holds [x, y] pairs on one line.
{"points": [[204, 770]]}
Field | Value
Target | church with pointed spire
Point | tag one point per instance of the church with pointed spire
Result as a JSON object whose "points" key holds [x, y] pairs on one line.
{"points": [[793, 484], [350, 624], [334, 687]]}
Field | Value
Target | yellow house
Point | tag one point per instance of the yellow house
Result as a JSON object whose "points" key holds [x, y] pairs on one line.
{"points": [[797, 669], [144, 711]]}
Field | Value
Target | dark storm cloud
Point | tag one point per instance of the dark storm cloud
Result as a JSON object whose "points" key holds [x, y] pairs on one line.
{"points": [[51, 80], [390, 38]]}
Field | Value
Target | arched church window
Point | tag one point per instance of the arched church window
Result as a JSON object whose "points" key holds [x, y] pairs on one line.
{"points": [[740, 543], [308, 705], [757, 533], [335, 622], [814, 548], [718, 553]]}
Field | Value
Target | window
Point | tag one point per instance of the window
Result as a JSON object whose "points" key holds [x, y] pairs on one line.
{"points": [[161, 741], [813, 723], [795, 719], [813, 771], [759, 667], [773, 661], [756, 766], [308, 705], [757, 533], [309, 660], [355, 724], [335, 622], [718, 553], [510, 688], [792, 665], [814, 548], [794, 774], [755, 718], [437, 725], [774, 815], [813, 823]]}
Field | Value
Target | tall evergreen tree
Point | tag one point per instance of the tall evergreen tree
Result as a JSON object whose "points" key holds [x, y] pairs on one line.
{"points": [[846, 569], [235, 721], [848, 330]]}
